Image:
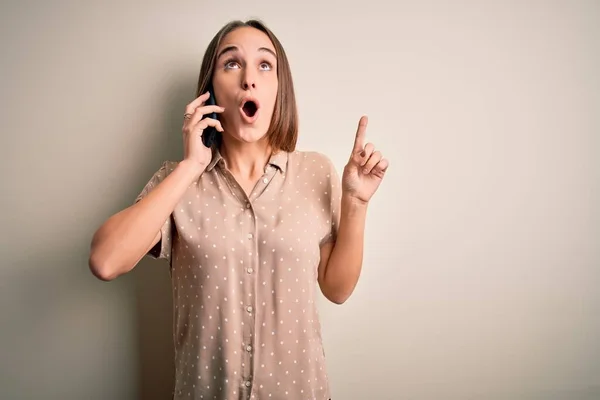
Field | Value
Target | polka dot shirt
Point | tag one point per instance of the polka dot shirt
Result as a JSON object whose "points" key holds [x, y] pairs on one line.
{"points": [[244, 279]]}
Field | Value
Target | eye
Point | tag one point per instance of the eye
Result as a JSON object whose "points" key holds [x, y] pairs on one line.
{"points": [[231, 64], [265, 66]]}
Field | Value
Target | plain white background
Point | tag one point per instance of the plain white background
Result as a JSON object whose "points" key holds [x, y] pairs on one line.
{"points": [[483, 243]]}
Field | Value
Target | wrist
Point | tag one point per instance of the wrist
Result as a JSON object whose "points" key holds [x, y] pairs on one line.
{"points": [[353, 205]]}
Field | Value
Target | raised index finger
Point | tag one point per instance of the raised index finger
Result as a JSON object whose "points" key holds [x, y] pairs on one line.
{"points": [[361, 132]]}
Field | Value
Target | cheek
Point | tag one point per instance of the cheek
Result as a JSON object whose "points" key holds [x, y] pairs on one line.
{"points": [[227, 100], [272, 97]]}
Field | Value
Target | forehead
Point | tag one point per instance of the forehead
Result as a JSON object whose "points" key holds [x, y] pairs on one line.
{"points": [[247, 39]]}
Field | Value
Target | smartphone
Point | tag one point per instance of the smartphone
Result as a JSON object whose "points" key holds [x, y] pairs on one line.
{"points": [[209, 136]]}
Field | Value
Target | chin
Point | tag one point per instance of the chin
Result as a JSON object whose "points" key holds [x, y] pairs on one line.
{"points": [[249, 134]]}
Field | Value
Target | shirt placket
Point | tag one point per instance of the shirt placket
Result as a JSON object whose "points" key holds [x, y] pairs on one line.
{"points": [[249, 293], [252, 281], [250, 263]]}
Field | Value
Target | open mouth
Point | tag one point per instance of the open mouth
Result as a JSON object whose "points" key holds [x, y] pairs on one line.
{"points": [[249, 108]]}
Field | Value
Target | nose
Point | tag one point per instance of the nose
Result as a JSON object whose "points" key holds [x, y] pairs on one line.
{"points": [[248, 80]]}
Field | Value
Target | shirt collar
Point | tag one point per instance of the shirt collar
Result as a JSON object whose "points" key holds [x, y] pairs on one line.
{"points": [[277, 160]]}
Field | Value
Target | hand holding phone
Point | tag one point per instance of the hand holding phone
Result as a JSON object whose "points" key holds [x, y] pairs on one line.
{"points": [[200, 128]]}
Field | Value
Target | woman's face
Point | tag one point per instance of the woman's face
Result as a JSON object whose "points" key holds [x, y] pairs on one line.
{"points": [[245, 83]]}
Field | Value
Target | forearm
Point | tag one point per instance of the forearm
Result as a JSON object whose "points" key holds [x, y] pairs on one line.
{"points": [[120, 243], [345, 262]]}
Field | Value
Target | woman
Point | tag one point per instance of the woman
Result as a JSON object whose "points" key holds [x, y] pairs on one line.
{"points": [[250, 228]]}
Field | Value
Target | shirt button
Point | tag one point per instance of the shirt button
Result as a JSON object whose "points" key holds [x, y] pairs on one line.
{"points": [[248, 383], [250, 236], [265, 180], [247, 205], [249, 309], [248, 348], [250, 270]]}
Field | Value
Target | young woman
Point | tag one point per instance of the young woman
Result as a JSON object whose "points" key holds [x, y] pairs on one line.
{"points": [[251, 228]]}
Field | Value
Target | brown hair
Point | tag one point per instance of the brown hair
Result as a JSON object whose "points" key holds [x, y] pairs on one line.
{"points": [[283, 130]]}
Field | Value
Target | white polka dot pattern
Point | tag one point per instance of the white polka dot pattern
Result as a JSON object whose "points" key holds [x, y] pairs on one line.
{"points": [[244, 279]]}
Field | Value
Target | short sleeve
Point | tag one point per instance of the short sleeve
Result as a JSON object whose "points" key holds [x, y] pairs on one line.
{"points": [[333, 196], [162, 250]]}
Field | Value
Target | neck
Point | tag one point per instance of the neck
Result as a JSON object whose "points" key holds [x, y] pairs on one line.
{"points": [[246, 160]]}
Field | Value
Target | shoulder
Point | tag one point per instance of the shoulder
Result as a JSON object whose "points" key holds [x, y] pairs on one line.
{"points": [[310, 160], [160, 173], [168, 166], [164, 169], [314, 172]]}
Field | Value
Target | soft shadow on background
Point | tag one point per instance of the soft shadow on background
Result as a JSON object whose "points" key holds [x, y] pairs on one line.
{"points": [[153, 286], [155, 337], [482, 259]]}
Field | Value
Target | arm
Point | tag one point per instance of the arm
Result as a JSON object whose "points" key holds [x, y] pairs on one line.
{"points": [[121, 242], [342, 259]]}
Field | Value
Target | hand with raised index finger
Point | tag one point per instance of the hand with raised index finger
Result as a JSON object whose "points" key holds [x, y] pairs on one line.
{"points": [[365, 169]]}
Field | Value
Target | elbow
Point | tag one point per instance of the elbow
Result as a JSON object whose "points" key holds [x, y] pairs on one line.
{"points": [[100, 268], [337, 294], [101, 261], [338, 299]]}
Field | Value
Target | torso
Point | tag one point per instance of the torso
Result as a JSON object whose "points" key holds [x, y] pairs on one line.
{"points": [[244, 274]]}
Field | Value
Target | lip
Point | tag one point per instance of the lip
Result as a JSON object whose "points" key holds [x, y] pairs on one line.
{"points": [[241, 108]]}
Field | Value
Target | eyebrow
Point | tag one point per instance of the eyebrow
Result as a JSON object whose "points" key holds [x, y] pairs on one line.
{"points": [[233, 48]]}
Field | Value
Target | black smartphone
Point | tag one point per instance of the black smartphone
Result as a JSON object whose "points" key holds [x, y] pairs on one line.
{"points": [[209, 136]]}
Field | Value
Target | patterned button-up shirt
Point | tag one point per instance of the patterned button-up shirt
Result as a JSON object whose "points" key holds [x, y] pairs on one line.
{"points": [[244, 279]]}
